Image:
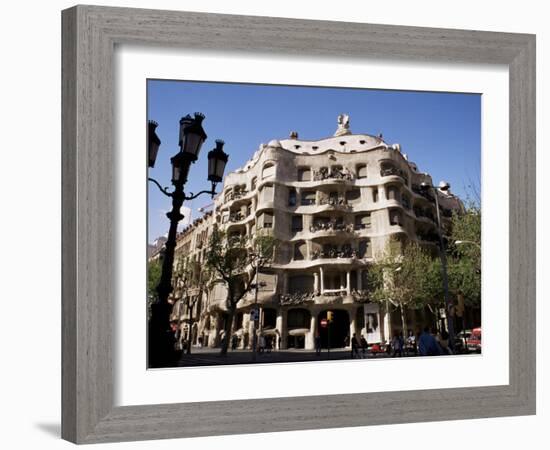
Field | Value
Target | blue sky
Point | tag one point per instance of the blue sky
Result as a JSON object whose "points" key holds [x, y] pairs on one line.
{"points": [[440, 132]]}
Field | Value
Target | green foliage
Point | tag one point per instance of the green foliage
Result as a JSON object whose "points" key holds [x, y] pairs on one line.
{"points": [[154, 271], [411, 279], [233, 258], [464, 262]]}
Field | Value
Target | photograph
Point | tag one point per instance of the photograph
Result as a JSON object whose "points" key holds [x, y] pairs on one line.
{"points": [[311, 223]]}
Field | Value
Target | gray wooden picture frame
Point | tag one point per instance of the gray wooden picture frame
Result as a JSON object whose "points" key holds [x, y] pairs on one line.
{"points": [[90, 34]]}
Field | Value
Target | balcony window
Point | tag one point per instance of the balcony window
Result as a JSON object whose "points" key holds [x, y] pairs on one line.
{"points": [[363, 221], [388, 168], [299, 318], [353, 196], [304, 174], [361, 171], [392, 193], [266, 220], [253, 183], [375, 195], [308, 198], [292, 197], [300, 251], [297, 223], [268, 171], [365, 249], [406, 202], [395, 217], [269, 318], [227, 195]]}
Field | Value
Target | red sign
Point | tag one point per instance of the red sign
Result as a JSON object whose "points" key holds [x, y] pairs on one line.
{"points": [[324, 322]]}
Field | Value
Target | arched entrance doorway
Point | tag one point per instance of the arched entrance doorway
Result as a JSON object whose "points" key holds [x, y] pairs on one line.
{"points": [[339, 329]]}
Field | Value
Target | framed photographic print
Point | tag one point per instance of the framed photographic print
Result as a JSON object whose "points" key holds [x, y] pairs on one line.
{"points": [[263, 229]]}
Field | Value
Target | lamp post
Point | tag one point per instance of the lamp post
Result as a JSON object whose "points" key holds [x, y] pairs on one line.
{"points": [[443, 186], [256, 311], [191, 139]]}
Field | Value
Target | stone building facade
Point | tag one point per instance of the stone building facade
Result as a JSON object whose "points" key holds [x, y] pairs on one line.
{"points": [[333, 205]]}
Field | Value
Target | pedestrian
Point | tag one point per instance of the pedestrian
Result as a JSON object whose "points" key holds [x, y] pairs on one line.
{"points": [[269, 344], [234, 342], [444, 343], [262, 343], [411, 343], [317, 343], [355, 344], [364, 346], [427, 344], [397, 345]]}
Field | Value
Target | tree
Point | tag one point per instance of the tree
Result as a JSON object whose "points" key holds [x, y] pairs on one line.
{"points": [[187, 277], [233, 261], [154, 270], [408, 279], [464, 250]]}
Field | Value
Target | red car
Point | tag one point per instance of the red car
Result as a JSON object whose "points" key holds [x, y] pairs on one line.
{"points": [[474, 341]]}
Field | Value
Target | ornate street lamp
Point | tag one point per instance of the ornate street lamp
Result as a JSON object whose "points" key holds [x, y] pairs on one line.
{"points": [[192, 135], [217, 159], [191, 139], [443, 186], [153, 142]]}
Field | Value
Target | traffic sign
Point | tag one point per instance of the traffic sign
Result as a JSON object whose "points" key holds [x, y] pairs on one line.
{"points": [[324, 323]]}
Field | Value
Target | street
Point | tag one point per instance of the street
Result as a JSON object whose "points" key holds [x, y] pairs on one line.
{"points": [[212, 357]]}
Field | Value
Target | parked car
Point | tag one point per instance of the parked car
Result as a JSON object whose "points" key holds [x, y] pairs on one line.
{"points": [[375, 349], [474, 341]]}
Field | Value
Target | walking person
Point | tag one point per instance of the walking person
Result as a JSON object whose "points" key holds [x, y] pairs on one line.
{"points": [[397, 345], [355, 344], [364, 346], [317, 344], [411, 343], [262, 343], [427, 344]]}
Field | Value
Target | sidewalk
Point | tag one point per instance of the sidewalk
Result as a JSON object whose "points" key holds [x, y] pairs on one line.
{"points": [[211, 357]]}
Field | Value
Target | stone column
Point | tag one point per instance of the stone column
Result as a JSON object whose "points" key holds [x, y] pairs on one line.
{"points": [[352, 323], [348, 282], [215, 333], [322, 280], [280, 325], [310, 338], [359, 279], [285, 282], [315, 282], [308, 247], [382, 193], [386, 332], [250, 331]]}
